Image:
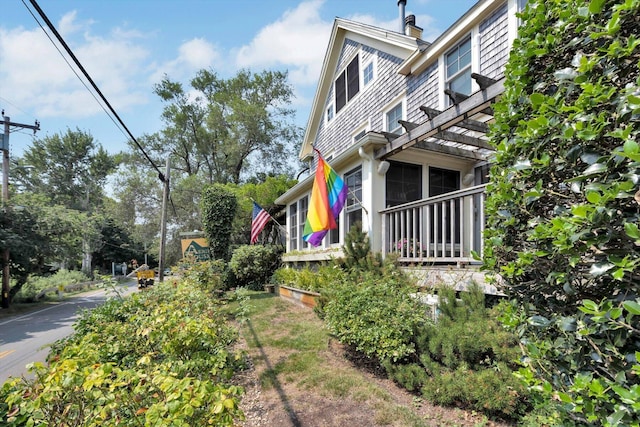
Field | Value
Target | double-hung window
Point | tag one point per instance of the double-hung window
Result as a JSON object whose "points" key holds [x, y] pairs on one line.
{"points": [[293, 226], [392, 116], [458, 67], [297, 217], [353, 206], [367, 74], [347, 85]]}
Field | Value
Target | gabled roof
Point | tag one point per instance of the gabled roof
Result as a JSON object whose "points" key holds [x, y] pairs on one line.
{"points": [[388, 41]]}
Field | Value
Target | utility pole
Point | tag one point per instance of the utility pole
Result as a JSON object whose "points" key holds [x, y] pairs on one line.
{"points": [[4, 145], [163, 225]]}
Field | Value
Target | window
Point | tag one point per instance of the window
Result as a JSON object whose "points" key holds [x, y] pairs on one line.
{"points": [[293, 226], [347, 84], [443, 181], [334, 234], [367, 73], [353, 206], [358, 136], [392, 117], [404, 183], [330, 113], [304, 208], [458, 68]]}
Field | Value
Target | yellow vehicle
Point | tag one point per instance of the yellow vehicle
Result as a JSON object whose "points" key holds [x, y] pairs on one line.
{"points": [[145, 278]]}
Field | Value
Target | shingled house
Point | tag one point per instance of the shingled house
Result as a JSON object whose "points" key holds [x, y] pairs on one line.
{"points": [[404, 122]]}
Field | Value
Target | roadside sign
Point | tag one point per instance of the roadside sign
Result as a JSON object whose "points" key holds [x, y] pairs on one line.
{"points": [[197, 248]]}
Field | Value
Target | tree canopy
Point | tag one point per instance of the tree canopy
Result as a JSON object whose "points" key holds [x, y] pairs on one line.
{"points": [[226, 130]]}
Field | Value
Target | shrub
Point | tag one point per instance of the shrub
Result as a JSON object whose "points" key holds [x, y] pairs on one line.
{"points": [[158, 357], [320, 279], [211, 276], [218, 207], [253, 265], [36, 284], [491, 391], [465, 359], [376, 315]]}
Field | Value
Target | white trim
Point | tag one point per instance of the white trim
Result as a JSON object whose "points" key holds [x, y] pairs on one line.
{"points": [[365, 127], [379, 39]]}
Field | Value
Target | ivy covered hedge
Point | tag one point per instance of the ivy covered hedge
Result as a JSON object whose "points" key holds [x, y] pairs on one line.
{"points": [[563, 208]]}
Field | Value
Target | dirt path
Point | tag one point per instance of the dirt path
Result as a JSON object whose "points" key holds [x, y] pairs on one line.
{"points": [[297, 379]]}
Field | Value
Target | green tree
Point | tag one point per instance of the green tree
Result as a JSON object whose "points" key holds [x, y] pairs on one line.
{"points": [[71, 170], [563, 205], [226, 129]]}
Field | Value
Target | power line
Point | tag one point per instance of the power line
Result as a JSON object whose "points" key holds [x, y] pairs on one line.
{"points": [[93, 84]]}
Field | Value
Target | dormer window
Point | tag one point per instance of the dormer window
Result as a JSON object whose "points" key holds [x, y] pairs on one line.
{"points": [[347, 84]]}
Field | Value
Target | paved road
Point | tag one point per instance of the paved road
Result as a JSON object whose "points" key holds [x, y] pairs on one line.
{"points": [[26, 338]]}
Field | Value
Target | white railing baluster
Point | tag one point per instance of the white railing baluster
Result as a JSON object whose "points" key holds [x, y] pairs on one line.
{"points": [[419, 229]]}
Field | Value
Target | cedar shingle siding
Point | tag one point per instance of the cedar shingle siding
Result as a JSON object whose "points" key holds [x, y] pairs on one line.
{"points": [[494, 43], [337, 135]]}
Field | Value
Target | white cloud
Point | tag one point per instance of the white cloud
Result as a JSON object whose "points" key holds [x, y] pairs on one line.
{"points": [[36, 77], [193, 55], [298, 41]]}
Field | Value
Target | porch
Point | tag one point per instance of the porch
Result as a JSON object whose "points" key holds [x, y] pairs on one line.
{"points": [[446, 229]]}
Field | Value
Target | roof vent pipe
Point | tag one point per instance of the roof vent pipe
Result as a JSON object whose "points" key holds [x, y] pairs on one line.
{"points": [[401, 5]]}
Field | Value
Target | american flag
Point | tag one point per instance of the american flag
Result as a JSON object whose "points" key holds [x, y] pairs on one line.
{"points": [[259, 219]]}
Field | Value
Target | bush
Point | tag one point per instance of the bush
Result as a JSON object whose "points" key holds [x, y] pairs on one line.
{"points": [[36, 284], [161, 357], [210, 276], [465, 359], [253, 265], [376, 315], [320, 279]]}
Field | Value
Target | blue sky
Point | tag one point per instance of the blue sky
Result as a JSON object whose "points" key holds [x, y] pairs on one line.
{"points": [[128, 46]]}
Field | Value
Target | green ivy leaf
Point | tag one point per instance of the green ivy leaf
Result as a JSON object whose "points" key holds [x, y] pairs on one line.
{"points": [[596, 6], [536, 98], [632, 307], [539, 321]]}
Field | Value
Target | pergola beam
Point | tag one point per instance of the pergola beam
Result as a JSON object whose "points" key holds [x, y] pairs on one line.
{"points": [[468, 124], [452, 116]]}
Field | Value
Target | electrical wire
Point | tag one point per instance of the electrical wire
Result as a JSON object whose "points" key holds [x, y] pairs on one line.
{"points": [[88, 77]]}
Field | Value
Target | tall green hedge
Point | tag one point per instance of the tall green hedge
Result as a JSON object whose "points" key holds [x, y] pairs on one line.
{"points": [[563, 205], [218, 208]]}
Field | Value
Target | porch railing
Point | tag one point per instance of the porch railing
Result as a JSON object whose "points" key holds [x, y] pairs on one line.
{"points": [[441, 229]]}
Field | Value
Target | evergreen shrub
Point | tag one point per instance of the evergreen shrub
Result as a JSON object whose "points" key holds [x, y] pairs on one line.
{"points": [[218, 209], [253, 265]]}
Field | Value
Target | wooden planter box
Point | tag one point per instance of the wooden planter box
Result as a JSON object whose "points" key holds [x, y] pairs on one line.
{"points": [[298, 296]]}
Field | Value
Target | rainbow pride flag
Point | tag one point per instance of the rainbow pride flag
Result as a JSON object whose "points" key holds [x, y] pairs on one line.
{"points": [[328, 196]]}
